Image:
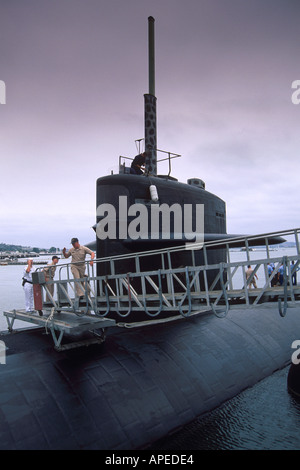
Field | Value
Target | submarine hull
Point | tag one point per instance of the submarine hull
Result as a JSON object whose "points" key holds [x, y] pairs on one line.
{"points": [[138, 386]]}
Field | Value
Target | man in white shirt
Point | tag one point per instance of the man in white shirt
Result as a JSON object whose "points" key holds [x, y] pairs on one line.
{"points": [[28, 286]]}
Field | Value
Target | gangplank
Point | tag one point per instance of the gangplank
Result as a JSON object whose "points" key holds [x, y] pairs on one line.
{"points": [[168, 293], [90, 330]]}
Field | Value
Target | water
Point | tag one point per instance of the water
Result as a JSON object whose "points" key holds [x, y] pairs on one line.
{"points": [[11, 291], [263, 417]]}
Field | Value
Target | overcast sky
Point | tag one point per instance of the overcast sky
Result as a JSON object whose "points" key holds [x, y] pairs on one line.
{"points": [[76, 71]]}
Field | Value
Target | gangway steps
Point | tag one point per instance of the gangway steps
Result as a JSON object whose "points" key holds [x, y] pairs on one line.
{"points": [[169, 289], [61, 323]]}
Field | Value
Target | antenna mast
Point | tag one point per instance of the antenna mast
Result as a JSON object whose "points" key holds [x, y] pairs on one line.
{"points": [[150, 106]]}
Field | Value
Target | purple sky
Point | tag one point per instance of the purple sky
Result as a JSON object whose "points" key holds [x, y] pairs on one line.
{"points": [[75, 74]]}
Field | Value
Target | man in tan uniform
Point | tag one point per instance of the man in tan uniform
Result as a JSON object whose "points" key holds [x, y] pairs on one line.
{"points": [[49, 271], [78, 253]]}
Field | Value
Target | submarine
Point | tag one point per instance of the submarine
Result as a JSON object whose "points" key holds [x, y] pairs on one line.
{"points": [[144, 382]]}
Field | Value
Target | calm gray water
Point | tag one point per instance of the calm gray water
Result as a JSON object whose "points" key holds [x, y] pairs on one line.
{"points": [[264, 417], [11, 290], [11, 293]]}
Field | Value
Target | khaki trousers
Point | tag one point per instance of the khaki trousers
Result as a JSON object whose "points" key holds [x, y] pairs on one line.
{"points": [[50, 288], [79, 272]]}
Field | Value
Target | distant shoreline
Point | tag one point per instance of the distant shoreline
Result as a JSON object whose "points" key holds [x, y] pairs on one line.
{"points": [[20, 263]]}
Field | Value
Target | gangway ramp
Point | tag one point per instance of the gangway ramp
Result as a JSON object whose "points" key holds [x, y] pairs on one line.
{"points": [[183, 290], [64, 323], [168, 291]]}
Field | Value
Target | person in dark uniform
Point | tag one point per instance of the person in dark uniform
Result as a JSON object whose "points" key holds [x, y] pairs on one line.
{"points": [[137, 164]]}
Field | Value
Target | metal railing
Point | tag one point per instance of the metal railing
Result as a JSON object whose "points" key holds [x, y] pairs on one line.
{"points": [[182, 290], [170, 156]]}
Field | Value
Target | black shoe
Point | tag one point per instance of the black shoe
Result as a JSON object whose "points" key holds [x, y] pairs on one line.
{"points": [[40, 313]]}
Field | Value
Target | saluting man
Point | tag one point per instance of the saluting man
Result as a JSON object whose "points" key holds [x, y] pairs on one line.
{"points": [[78, 253]]}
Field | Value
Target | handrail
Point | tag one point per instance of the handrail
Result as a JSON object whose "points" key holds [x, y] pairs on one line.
{"points": [[160, 299], [191, 247], [187, 294], [183, 285], [171, 155], [223, 314], [282, 312]]}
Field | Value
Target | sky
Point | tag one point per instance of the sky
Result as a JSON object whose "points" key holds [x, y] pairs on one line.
{"points": [[75, 72]]}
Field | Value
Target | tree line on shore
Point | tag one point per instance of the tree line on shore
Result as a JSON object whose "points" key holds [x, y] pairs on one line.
{"points": [[25, 249]]}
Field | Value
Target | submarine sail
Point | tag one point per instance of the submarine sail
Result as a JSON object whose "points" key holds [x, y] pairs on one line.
{"points": [[170, 195]]}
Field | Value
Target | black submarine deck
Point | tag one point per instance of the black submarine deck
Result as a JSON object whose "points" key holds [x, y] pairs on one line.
{"points": [[140, 384]]}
